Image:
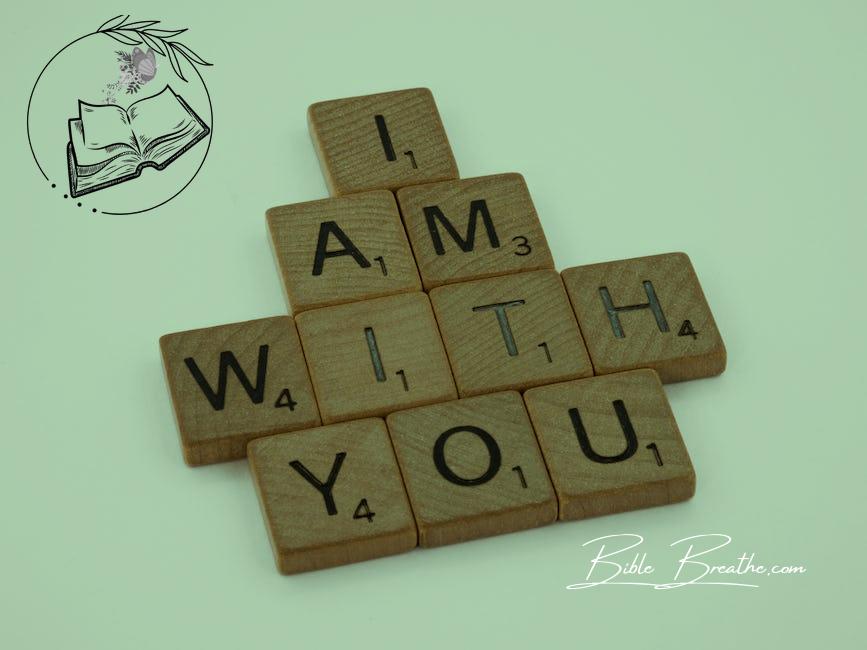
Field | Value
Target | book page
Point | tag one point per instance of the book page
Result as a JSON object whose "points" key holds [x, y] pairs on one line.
{"points": [[98, 166], [105, 125], [163, 149], [88, 157], [116, 170], [157, 117]]}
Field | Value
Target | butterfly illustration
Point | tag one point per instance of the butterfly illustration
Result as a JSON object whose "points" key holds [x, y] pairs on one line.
{"points": [[144, 64]]}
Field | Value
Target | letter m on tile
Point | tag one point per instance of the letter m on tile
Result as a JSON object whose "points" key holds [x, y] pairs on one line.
{"points": [[433, 214]]}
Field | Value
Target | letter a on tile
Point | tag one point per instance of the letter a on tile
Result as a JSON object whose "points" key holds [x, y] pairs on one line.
{"points": [[326, 230]]}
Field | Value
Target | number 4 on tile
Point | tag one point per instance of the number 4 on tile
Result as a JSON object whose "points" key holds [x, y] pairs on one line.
{"points": [[686, 329], [362, 511], [285, 400]]}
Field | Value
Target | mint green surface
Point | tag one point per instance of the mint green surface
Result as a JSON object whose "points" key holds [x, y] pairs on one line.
{"points": [[733, 131]]}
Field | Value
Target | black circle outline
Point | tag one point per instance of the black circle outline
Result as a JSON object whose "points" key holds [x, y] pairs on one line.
{"points": [[198, 169]]}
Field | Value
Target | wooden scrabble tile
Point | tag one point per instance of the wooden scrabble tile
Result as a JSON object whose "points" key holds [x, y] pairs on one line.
{"points": [[510, 332], [232, 383], [472, 468], [341, 250], [381, 142], [373, 357], [473, 228], [331, 495], [647, 312], [611, 444]]}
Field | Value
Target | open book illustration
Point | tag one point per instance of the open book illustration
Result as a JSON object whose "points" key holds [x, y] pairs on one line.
{"points": [[109, 145]]}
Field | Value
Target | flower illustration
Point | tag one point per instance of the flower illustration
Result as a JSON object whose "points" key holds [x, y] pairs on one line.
{"points": [[136, 69]]}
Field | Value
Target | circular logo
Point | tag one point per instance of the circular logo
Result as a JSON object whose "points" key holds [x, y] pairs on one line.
{"points": [[120, 120]]}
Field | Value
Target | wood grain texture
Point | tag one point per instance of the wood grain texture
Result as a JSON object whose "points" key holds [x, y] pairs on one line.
{"points": [[364, 143], [546, 344], [621, 476], [497, 228], [341, 250], [684, 343], [341, 344], [472, 468], [314, 522], [217, 414]]}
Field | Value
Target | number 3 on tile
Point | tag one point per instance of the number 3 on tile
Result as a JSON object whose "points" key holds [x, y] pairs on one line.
{"points": [[524, 247], [362, 511]]}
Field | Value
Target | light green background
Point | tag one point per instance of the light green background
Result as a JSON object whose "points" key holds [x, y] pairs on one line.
{"points": [[734, 131]]}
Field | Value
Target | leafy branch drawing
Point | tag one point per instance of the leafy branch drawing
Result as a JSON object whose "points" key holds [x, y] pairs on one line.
{"points": [[143, 32]]}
